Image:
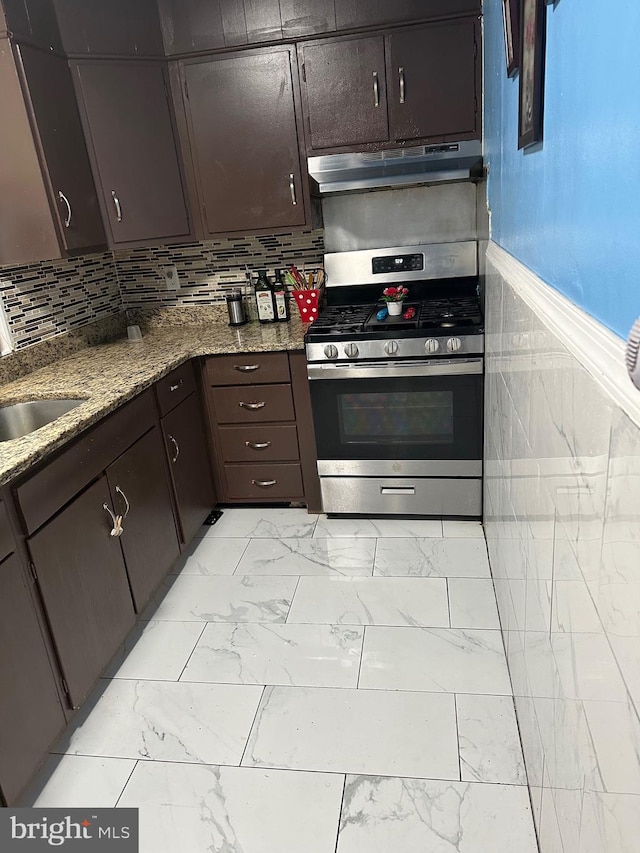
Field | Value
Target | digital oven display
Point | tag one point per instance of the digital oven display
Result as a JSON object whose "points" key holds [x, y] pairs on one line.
{"points": [[398, 263]]}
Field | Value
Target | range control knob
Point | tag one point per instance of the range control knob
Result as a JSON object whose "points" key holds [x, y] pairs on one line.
{"points": [[331, 351], [351, 350], [432, 345], [391, 347], [454, 344]]}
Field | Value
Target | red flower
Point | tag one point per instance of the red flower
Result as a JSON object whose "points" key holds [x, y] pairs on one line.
{"points": [[390, 291]]}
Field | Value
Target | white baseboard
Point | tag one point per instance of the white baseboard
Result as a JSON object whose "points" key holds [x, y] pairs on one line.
{"points": [[599, 350]]}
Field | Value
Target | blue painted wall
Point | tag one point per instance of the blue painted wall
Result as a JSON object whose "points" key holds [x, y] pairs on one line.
{"points": [[570, 208]]}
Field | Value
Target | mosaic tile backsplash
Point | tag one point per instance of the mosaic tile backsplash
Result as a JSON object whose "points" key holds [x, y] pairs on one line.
{"points": [[204, 268], [49, 298]]}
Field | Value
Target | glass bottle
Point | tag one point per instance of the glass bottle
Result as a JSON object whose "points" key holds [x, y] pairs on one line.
{"points": [[265, 301], [282, 299]]}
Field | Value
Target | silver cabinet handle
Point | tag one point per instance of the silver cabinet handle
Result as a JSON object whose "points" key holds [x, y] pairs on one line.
{"points": [[116, 521], [62, 197], [175, 444], [126, 501], [292, 188], [175, 387], [402, 84], [116, 201], [264, 483], [257, 445], [376, 90], [252, 406], [246, 368], [397, 490]]}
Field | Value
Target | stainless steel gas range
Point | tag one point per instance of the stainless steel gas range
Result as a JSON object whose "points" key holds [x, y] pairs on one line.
{"points": [[397, 401]]}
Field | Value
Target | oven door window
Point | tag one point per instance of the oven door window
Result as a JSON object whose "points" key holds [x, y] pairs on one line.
{"points": [[436, 417], [396, 417]]}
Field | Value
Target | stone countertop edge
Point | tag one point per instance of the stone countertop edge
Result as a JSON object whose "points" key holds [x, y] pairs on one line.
{"points": [[109, 375]]}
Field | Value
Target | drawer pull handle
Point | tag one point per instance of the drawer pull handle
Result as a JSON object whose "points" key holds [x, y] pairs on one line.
{"points": [[257, 445], [252, 406], [126, 501], [403, 90], [175, 387], [117, 204], [264, 483], [397, 490], [175, 444], [246, 368]]}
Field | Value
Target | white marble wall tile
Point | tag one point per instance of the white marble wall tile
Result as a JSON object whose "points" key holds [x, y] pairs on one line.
{"points": [[490, 748], [304, 655], [79, 781], [382, 814], [448, 660], [193, 809], [615, 733], [371, 601], [225, 599], [472, 603], [212, 555], [348, 556], [549, 832], [356, 731], [627, 654], [422, 557], [573, 609], [587, 667], [533, 751], [610, 822], [165, 721]]}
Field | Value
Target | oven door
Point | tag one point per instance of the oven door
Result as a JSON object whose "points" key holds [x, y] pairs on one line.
{"points": [[370, 415]]}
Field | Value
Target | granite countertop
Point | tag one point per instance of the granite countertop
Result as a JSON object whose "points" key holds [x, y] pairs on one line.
{"points": [[110, 374]]}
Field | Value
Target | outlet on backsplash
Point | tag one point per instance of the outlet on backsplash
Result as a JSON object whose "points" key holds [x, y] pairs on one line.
{"points": [[171, 279]]}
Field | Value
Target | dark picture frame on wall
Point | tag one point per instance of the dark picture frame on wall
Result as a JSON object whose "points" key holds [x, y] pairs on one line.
{"points": [[511, 22], [531, 108]]}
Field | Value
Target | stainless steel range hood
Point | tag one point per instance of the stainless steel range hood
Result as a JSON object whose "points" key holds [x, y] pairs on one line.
{"points": [[451, 161]]}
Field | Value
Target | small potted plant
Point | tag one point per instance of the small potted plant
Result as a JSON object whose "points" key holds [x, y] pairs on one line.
{"points": [[394, 297]]}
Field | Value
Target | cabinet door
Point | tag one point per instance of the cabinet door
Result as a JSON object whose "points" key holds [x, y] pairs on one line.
{"points": [[307, 17], [110, 27], [83, 581], [366, 13], [186, 444], [129, 122], [31, 715], [245, 144], [190, 25], [138, 482], [49, 86], [432, 81], [345, 91]]}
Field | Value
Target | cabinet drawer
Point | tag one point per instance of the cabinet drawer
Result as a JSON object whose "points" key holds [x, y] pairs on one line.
{"points": [[259, 444], [175, 387], [253, 405], [6, 534], [264, 482], [53, 486], [248, 369]]}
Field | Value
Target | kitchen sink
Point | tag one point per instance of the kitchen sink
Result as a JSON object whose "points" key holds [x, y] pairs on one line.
{"points": [[20, 419]]}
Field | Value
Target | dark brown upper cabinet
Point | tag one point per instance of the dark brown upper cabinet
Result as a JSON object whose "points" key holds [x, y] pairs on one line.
{"points": [[241, 114], [110, 27], [193, 25], [432, 75], [346, 93], [49, 206], [413, 84], [32, 21], [352, 14], [131, 134]]}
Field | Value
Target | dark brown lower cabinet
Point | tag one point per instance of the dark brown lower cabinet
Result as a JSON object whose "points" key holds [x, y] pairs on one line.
{"points": [[31, 716], [84, 587], [140, 492], [186, 444]]}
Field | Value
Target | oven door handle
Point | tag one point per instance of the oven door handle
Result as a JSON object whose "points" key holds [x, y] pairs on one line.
{"points": [[377, 370]]}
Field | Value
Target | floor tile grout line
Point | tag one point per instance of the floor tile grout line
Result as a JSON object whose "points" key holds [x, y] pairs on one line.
{"points": [[344, 789], [136, 762], [204, 628], [234, 572], [253, 722]]}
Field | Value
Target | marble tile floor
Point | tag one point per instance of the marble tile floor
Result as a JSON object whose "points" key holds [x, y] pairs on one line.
{"points": [[310, 684]]}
